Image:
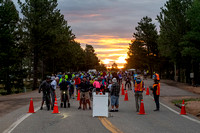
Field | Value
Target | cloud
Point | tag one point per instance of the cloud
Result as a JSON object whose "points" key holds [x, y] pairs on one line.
{"points": [[107, 25]]}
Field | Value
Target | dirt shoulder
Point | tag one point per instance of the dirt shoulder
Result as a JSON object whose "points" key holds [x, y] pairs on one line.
{"points": [[192, 106], [184, 86], [9, 103]]}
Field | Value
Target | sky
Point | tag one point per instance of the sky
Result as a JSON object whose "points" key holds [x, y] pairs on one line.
{"points": [[107, 25]]}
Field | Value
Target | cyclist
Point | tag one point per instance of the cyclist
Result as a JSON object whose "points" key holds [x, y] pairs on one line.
{"points": [[84, 88], [128, 82], [64, 85], [45, 87]]}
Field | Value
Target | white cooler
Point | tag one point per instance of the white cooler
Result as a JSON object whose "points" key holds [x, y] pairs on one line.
{"points": [[100, 105]]}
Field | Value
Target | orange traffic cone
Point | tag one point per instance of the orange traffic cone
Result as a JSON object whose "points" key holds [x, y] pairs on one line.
{"points": [[147, 92], [183, 112], [55, 108], [142, 112], [126, 96], [78, 97], [122, 89], [31, 107]]}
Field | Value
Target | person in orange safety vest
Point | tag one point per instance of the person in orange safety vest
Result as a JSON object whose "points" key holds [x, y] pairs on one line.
{"points": [[156, 94], [139, 85]]}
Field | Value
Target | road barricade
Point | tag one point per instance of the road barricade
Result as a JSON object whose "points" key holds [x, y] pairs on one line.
{"points": [[100, 105]]}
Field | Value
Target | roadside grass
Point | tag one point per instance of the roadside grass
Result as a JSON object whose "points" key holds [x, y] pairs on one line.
{"points": [[186, 100], [27, 88]]}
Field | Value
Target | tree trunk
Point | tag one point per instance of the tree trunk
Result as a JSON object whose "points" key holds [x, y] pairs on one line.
{"points": [[35, 68], [7, 84]]}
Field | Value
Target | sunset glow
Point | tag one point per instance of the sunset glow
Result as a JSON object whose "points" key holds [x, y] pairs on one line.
{"points": [[109, 49]]}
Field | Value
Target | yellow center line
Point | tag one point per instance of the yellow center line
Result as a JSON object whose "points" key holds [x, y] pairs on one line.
{"points": [[109, 125]]}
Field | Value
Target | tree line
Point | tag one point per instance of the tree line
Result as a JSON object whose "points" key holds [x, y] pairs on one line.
{"points": [[38, 44], [174, 51]]}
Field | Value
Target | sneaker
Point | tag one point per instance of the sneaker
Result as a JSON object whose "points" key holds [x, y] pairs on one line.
{"points": [[41, 108], [79, 107], [156, 110], [112, 111], [116, 110], [90, 108]]}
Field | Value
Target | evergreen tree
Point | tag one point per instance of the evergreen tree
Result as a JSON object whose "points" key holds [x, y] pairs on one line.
{"points": [[9, 50], [173, 26]]}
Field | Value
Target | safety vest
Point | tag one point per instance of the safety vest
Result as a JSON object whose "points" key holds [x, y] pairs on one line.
{"points": [[66, 77], [157, 77], [138, 87], [158, 88]]}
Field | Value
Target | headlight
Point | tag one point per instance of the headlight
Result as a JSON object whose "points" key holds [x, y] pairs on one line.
{"points": [[64, 92]]}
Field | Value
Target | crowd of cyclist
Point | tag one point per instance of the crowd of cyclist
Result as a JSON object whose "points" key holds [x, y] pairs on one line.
{"points": [[85, 83]]}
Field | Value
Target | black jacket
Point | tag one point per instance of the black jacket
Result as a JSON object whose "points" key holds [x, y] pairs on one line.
{"points": [[84, 86]]}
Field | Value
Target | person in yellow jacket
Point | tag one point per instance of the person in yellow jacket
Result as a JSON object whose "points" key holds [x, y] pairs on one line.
{"points": [[156, 94]]}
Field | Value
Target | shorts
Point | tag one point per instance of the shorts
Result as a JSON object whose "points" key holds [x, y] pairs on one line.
{"points": [[86, 95], [114, 100]]}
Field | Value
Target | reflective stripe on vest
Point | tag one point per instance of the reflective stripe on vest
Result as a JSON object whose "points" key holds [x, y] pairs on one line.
{"points": [[158, 88], [157, 77]]}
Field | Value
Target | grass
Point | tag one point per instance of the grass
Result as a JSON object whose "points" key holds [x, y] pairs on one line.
{"points": [[28, 86], [186, 100]]}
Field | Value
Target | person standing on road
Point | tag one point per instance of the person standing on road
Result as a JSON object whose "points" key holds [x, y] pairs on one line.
{"points": [[45, 87], [156, 94], [115, 90], [128, 82], [54, 84], [77, 81], [84, 88], [97, 85], [139, 85]]}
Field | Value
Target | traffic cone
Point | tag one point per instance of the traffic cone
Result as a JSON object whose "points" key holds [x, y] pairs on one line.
{"points": [[122, 90], [183, 111], [78, 97], [142, 111], [147, 92], [31, 107], [126, 96], [55, 108]]}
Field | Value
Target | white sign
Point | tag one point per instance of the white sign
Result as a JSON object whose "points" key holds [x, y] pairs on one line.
{"points": [[100, 105]]}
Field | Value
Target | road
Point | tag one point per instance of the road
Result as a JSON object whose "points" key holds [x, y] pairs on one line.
{"points": [[72, 120]]}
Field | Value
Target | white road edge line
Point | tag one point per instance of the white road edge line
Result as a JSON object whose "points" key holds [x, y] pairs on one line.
{"points": [[185, 116], [22, 118], [15, 124]]}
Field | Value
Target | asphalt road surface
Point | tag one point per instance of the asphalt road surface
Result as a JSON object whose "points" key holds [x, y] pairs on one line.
{"points": [[72, 120]]}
